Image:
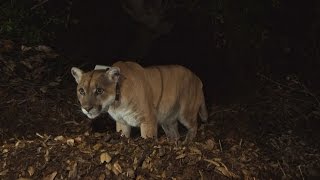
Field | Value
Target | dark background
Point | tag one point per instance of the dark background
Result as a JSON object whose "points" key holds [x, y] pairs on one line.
{"points": [[226, 43]]}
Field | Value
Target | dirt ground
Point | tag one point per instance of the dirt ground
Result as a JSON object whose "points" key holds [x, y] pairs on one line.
{"points": [[44, 135]]}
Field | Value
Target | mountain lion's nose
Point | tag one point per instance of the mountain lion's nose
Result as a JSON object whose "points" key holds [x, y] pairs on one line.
{"points": [[87, 108]]}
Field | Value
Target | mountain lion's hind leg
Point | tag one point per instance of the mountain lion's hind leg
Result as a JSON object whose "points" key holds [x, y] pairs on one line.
{"points": [[191, 124], [171, 130]]}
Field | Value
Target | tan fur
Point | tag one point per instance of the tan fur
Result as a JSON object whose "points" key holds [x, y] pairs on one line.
{"points": [[149, 96]]}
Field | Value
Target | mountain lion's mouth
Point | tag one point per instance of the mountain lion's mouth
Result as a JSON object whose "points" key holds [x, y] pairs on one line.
{"points": [[92, 116]]}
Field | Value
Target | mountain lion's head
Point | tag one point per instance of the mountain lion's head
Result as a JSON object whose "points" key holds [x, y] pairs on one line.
{"points": [[96, 89]]}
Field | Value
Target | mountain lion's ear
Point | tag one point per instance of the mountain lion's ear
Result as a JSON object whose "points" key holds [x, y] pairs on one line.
{"points": [[99, 67], [113, 73], [76, 73]]}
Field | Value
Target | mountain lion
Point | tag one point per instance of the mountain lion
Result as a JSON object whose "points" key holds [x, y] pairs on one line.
{"points": [[135, 96]]}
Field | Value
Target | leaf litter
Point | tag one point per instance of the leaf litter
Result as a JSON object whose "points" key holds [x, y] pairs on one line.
{"points": [[45, 136]]}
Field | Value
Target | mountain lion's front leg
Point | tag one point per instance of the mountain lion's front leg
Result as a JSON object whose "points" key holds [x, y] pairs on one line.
{"points": [[124, 129], [148, 127]]}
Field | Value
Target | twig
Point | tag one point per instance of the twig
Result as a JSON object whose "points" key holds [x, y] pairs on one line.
{"points": [[39, 4], [201, 175], [305, 89], [71, 122], [275, 82], [42, 137], [47, 138], [22, 101], [220, 146], [299, 167], [281, 169]]}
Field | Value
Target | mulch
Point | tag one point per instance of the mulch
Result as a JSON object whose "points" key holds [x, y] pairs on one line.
{"points": [[44, 135]]}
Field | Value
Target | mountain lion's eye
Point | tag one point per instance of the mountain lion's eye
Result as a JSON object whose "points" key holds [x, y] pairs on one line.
{"points": [[99, 90], [81, 91]]}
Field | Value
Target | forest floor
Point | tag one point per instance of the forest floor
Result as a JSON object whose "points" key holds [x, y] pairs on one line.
{"points": [[44, 135]]}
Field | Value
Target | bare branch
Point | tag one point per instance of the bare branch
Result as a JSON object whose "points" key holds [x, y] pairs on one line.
{"points": [[39, 4]]}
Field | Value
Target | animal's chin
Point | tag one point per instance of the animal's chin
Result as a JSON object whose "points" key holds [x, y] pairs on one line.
{"points": [[92, 116]]}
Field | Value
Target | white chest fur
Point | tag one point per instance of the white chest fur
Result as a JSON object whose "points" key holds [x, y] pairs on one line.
{"points": [[125, 116]]}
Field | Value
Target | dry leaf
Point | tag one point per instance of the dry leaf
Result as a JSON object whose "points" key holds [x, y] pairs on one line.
{"points": [[116, 169], [105, 157], [195, 150], [201, 175], [84, 148], [4, 172], [162, 151], [108, 172], [97, 146], [27, 64], [234, 148], [163, 175], [73, 170], [10, 64], [98, 134], [44, 89], [31, 170], [59, 138], [50, 176], [25, 48], [209, 144], [102, 177], [222, 168], [130, 173], [109, 167], [212, 162], [146, 164], [86, 133], [245, 172], [70, 142], [140, 178], [43, 48], [181, 156], [78, 139], [54, 83], [20, 144], [24, 178], [226, 172], [135, 163]]}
